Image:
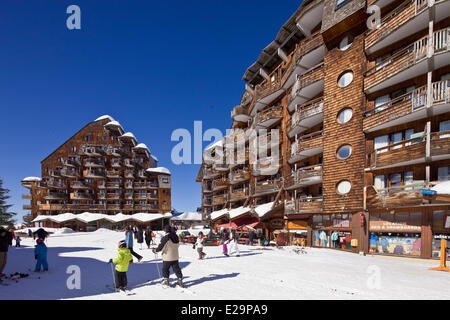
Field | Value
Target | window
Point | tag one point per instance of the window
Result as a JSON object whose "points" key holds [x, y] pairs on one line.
{"points": [[344, 152], [444, 173], [344, 187], [380, 182], [340, 4], [396, 180], [345, 79], [444, 126], [409, 179], [87, 138], [396, 138], [408, 136], [74, 149], [104, 138], [345, 115], [381, 62], [346, 43], [381, 142], [381, 103]]}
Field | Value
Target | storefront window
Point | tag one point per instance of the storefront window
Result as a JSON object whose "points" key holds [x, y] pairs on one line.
{"points": [[436, 246], [321, 238], [395, 243]]}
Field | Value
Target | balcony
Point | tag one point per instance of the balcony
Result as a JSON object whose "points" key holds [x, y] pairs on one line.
{"points": [[101, 184], [140, 185], [79, 185], [146, 207], [69, 173], [27, 207], [101, 196], [81, 196], [114, 207], [265, 187], [93, 174], [152, 196], [307, 86], [116, 163], [267, 166], [410, 62], [113, 185], [207, 202], [306, 205], [129, 163], [409, 107], [240, 175], [54, 196], [210, 173], [406, 152], [440, 145], [394, 197], [306, 146], [222, 167], [129, 174], [220, 184], [207, 188], [129, 196], [405, 20], [152, 184], [307, 54], [113, 196], [241, 158], [72, 163], [240, 114], [91, 151], [269, 117], [52, 185], [304, 176], [55, 173], [219, 200], [239, 194], [305, 117], [140, 196], [269, 90], [113, 174], [27, 196], [128, 207], [51, 207]]}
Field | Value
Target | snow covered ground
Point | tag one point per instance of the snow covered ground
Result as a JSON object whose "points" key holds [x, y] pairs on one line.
{"points": [[257, 274]]}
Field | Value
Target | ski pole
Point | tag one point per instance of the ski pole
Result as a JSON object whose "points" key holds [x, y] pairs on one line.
{"points": [[114, 276], [159, 273]]}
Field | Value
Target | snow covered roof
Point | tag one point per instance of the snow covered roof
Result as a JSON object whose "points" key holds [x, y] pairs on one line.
{"points": [[154, 158], [215, 144], [128, 135], [263, 209], [189, 216], [113, 123], [160, 170], [219, 214], [141, 146], [32, 179], [442, 188], [105, 117], [234, 213], [88, 217]]}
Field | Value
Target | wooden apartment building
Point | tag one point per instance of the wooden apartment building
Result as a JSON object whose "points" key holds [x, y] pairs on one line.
{"points": [[363, 115], [101, 170]]}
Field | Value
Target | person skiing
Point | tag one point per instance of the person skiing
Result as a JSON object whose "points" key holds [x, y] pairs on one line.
{"points": [[140, 236], [169, 247], [148, 236], [40, 254], [225, 240], [122, 262], [199, 245], [4, 244], [234, 237], [129, 242]]}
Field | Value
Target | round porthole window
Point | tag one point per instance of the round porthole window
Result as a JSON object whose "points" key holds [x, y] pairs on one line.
{"points": [[344, 152], [346, 43], [344, 187], [345, 79], [345, 115]]}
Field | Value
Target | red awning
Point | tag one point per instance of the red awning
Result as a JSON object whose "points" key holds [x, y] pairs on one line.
{"points": [[250, 226], [227, 225]]}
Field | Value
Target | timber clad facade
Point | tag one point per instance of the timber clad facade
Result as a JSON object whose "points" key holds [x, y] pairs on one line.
{"points": [[363, 117], [101, 169]]}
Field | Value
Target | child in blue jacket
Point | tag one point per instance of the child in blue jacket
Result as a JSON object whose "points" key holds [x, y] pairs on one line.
{"points": [[40, 254]]}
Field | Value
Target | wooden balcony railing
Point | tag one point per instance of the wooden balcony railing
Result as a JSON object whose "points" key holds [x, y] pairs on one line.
{"points": [[314, 74], [27, 207], [72, 163], [113, 174], [220, 183], [267, 87], [81, 195], [207, 202], [113, 196], [265, 187], [440, 143], [308, 205], [54, 195], [393, 197], [271, 113], [239, 194], [210, 172], [306, 142], [217, 200], [94, 163], [93, 174], [79, 185], [393, 20], [146, 207], [399, 152], [221, 167], [267, 166], [52, 184], [240, 175], [304, 111], [152, 196], [302, 175], [27, 196], [113, 185], [69, 173]]}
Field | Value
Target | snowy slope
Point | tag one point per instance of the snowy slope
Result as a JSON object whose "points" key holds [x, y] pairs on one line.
{"points": [[257, 274]]}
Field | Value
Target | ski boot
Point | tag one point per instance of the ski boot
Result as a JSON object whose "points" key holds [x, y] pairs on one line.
{"points": [[180, 283], [165, 282]]}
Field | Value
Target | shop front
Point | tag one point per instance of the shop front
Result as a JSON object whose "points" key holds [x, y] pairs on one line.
{"points": [[298, 231], [441, 231], [396, 233], [332, 231]]}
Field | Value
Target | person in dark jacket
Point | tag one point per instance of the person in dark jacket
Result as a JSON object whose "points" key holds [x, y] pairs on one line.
{"points": [[251, 236], [129, 242], [4, 244], [225, 240], [40, 234], [148, 236], [140, 236], [30, 233], [169, 247]]}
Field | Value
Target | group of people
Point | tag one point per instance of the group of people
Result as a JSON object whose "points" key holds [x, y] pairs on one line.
{"points": [[230, 237], [168, 247]]}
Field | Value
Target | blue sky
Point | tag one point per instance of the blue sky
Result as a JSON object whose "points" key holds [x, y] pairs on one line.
{"points": [[154, 66]]}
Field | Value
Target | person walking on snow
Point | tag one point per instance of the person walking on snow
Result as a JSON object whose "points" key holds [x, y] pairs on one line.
{"points": [[129, 242], [4, 244], [148, 236], [234, 237], [199, 245], [122, 262], [169, 248], [140, 236], [40, 254], [225, 240], [18, 242]]}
